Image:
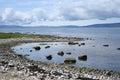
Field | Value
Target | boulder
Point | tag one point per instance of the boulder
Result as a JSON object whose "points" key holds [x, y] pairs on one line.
{"points": [[82, 58], [70, 60], [49, 57], [60, 53], [37, 48], [20, 55]]}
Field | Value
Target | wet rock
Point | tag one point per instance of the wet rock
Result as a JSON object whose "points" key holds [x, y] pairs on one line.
{"points": [[30, 50], [72, 43], [37, 48], [60, 53], [49, 57], [118, 48], [106, 45], [47, 47], [70, 60], [82, 58], [69, 53], [82, 43]]}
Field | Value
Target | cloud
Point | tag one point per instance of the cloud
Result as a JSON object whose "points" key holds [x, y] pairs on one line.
{"points": [[64, 11]]}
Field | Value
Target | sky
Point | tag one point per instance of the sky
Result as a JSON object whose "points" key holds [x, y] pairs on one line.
{"points": [[59, 12]]}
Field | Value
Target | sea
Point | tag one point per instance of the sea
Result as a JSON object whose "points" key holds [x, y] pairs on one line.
{"points": [[98, 55]]}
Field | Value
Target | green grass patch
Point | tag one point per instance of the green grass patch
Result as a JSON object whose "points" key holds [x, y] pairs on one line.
{"points": [[18, 35]]}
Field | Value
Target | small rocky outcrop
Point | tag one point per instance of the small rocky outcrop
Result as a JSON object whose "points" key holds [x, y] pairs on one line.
{"points": [[49, 57], [82, 58], [60, 53], [37, 48], [70, 61]]}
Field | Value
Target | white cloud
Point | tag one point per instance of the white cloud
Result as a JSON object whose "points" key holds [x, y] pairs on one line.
{"points": [[65, 11], [7, 14]]}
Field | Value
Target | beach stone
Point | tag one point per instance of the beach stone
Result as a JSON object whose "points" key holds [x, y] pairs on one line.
{"points": [[82, 58]]}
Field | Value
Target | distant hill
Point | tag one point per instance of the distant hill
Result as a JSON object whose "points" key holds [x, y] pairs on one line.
{"points": [[104, 25], [10, 26], [108, 25]]}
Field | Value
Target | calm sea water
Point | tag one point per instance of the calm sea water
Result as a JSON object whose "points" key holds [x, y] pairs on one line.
{"points": [[99, 57]]}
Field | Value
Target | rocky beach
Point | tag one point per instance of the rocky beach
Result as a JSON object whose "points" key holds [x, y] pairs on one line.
{"points": [[18, 67]]}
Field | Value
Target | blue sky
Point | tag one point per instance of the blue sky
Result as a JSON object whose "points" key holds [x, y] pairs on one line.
{"points": [[59, 12]]}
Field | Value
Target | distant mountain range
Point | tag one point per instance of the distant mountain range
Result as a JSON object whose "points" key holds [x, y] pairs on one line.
{"points": [[110, 25]]}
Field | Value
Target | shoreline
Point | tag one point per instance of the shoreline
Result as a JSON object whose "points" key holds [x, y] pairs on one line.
{"points": [[17, 67]]}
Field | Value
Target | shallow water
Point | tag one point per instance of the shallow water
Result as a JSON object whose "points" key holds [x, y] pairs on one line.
{"points": [[98, 56]]}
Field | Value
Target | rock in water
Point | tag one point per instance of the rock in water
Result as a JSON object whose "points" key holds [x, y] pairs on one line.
{"points": [[49, 57], [37, 48], [47, 47], [70, 60], [82, 58], [60, 53]]}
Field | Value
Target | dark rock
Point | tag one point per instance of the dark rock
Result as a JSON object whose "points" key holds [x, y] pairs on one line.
{"points": [[30, 50], [70, 60], [83, 58], [118, 48], [82, 43], [47, 47], [84, 78], [106, 45], [72, 43], [4, 62], [19, 55], [69, 53], [49, 57], [37, 48], [60, 53]]}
